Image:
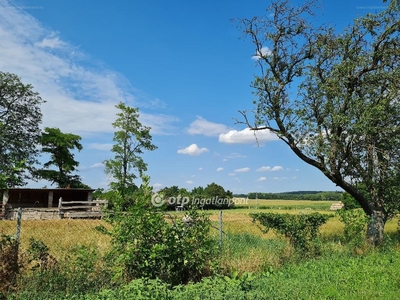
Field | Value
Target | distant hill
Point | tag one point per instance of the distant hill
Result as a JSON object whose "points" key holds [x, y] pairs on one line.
{"points": [[295, 195]]}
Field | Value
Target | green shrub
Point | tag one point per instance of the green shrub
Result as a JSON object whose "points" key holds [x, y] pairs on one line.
{"points": [[349, 202], [9, 266], [355, 225], [146, 243], [301, 230]]}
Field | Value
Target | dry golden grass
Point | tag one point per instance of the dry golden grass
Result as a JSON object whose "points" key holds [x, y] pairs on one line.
{"points": [[60, 235], [241, 202]]}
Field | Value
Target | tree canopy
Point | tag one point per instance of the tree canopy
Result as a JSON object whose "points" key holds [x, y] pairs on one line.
{"points": [[20, 117], [131, 140], [60, 145], [333, 98]]}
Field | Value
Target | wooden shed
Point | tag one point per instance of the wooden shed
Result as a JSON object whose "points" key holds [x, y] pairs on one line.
{"points": [[40, 203]]}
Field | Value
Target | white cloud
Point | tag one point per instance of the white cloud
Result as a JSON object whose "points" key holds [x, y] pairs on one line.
{"points": [[193, 149], [263, 169], [157, 185], [262, 178], [232, 174], [220, 169], [51, 42], [225, 159], [94, 166], [200, 169], [235, 155], [247, 136], [264, 51], [189, 182], [242, 170], [276, 168], [275, 178], [207, 128], [99, 146], [81, 94], [97, 165]]}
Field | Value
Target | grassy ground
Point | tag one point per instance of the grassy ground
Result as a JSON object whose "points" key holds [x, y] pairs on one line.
{"points": [[339, 273], [245, 246]]}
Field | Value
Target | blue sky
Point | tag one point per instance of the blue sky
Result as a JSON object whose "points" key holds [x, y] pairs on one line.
{"points": [[183, 63]]}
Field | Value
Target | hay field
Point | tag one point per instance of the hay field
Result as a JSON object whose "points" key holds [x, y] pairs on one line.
{"points": [[62, 236]]}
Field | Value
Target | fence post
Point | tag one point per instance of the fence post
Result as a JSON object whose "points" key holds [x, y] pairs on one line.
{"points": [[18, 233], [60, 214], [220, 229]]}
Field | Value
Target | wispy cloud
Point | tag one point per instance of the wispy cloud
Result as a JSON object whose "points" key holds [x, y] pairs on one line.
{"points": [[235, 155], [80, 93], [276, 168], [262, 178], [157, 185], [268, 168], [220, 169], [207, 128], [247, 136], [264, 169], [193, 150], [93, 166], [98, 146], [242, 170], [263, 52]]}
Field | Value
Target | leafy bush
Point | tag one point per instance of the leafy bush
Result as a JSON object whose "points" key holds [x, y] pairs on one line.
{"points": [[301, 230], [349, 202], [9, 266], [355, 225], [39, 254], [78, 273], [147, 244]]}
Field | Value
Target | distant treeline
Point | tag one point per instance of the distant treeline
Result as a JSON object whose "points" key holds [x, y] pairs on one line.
{"points": [[299, 195]]}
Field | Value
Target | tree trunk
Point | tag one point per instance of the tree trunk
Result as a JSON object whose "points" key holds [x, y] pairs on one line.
{"points": [[376, 226]]}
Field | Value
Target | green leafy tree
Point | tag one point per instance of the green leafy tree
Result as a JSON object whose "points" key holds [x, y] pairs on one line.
{"points": [[169, 192], [349, 202], [60, 145], [344, 118], [219, 198], [20, 117], [131, 140]]}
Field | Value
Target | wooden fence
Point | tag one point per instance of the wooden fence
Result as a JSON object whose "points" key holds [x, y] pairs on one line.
{"points": [[81, 209]]}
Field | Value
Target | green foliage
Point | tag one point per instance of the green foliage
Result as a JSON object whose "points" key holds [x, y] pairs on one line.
{"points": [[213, 196], [349, 202], [9, 266], [301, 230], [344, 119], [355, 223], [20, 117], [79, 272], [59, 145], [39, 252], [131, 140], [301, 195], [146, 244]]}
